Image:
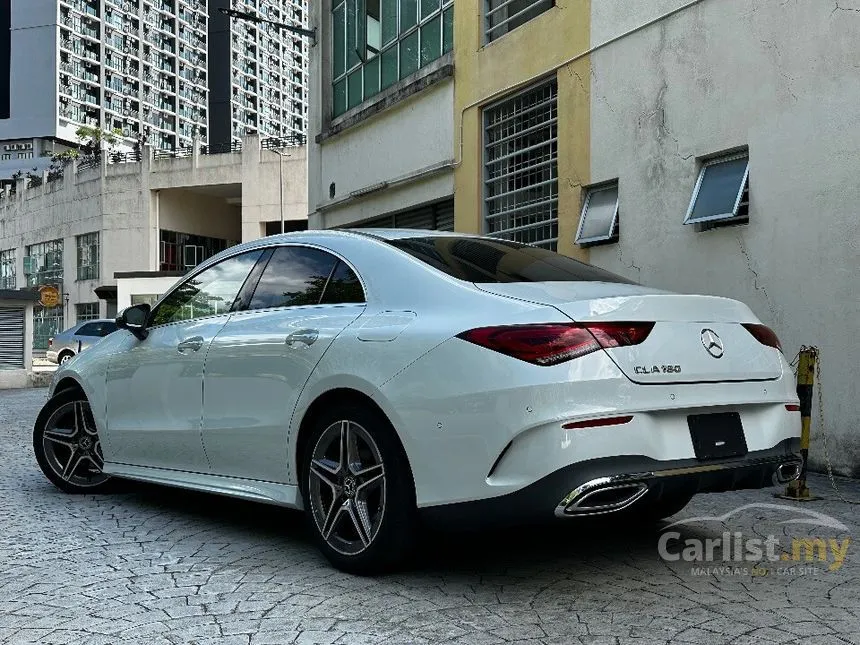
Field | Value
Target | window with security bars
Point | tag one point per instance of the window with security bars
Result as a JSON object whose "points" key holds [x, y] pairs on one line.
{"points": [[88, 256], [501, 16], [8, 271], [43, 264], [521, 167], [721, 196], [376, 43], [87, 311]]}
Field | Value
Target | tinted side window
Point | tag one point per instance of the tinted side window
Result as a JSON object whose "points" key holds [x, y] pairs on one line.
{"points": [[295, 276], [343, 286], [483, 260], [208, 293], [90, 329], [107, 328]]}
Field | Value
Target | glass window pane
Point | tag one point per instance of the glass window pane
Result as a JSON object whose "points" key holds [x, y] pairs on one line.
{"points": [[339, 98], [354, 91], [448, 30], [389, 21], [374, 34], [719, 190], [409, 55], [481, 260], [338, 60], [343, 286], [428, 7], [431, 41], [408, 14], [208, 293], [294, 276], [371, 78], [352, 21], [598, 215], [389, 67]]}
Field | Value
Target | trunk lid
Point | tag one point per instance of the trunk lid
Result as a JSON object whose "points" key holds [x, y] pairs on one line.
{"points": [[695, 339]]}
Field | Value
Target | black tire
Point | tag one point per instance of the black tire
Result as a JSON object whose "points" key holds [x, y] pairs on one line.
{"points": [[65, 357], [394, 532], [52, 448]]}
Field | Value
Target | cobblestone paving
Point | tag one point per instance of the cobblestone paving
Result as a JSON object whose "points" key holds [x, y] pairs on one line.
{"points": [[154, 565]]}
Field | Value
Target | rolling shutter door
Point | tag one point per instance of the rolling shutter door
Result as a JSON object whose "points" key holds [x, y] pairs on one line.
{"points": [[438, 216], [12, 337]]}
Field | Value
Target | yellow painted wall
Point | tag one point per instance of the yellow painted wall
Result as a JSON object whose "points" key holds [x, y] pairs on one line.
{"points": [[485, 74]]}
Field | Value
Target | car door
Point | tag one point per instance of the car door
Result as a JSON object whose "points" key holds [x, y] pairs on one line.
{"points": [[155, 387], [92, 332], [260, 361], [88, 334]]}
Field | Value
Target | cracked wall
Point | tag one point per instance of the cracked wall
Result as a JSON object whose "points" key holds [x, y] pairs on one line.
{"points": [[782, 78]]}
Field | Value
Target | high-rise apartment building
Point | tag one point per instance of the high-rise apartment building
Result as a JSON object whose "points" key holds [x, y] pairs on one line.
{"points": [[266, 89], [166, 69]]}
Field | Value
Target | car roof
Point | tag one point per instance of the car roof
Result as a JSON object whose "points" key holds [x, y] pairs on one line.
{"points": [[94, 320]]}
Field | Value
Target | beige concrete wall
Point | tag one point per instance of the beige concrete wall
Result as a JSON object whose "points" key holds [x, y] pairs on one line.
{"points": [[222, 195], [186, 211], [780, 78]]}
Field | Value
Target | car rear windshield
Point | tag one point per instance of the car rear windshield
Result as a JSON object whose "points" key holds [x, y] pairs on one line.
{"points": [[482, 260]]}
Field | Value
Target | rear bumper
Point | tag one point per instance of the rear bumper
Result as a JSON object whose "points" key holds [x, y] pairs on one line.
{"points": [[566, 492], [52, 355]]}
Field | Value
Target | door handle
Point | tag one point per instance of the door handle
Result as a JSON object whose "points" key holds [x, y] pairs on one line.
{"points": [[306, 336], [193, 344]]}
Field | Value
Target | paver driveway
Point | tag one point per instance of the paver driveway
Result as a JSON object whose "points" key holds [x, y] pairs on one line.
{"points": [[155, 565]]}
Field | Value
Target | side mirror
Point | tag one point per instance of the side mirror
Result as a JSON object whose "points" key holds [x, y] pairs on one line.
{"points": [[134, 319]]}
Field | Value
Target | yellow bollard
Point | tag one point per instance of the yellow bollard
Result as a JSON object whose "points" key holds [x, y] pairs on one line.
{"points": [[797, 489]]}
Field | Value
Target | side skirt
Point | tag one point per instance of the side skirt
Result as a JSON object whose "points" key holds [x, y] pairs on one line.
{"points": [[250, 489]]}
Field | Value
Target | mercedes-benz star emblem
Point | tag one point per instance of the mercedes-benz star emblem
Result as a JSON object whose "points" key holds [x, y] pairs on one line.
{"points": [[712, 343]]}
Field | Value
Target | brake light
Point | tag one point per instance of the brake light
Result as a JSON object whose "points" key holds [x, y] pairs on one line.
{"points": [[554, 343], [792, 407], [763, 334], [50, 342]]}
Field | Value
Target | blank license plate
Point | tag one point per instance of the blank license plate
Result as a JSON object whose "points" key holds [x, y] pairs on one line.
{"points": [[717, 435]]}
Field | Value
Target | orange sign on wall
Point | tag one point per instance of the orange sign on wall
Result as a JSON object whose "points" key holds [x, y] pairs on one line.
{"points": [[49, 296]]}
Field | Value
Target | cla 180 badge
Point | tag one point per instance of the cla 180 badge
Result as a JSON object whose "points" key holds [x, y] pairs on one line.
{"points": [[657, 369]]}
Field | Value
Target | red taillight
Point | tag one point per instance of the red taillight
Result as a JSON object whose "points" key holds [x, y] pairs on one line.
{"points": [[596, 423], [553, 343], [50, 342], [764, 334], [791, 407]]}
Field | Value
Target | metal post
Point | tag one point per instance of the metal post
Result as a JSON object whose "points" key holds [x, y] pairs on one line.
{"points": [[281, 187], [798, 490]]}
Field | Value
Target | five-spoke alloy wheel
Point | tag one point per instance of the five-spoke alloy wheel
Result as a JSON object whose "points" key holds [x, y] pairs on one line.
{"points": [[67, 445], [358, 490], [347, 487]]}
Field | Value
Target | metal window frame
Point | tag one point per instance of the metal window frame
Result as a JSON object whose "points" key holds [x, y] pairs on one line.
{"points": [[485, 164], [610, 236], [89, 315], [487, 30], [721, 217], [88, 270], [384, 47]]}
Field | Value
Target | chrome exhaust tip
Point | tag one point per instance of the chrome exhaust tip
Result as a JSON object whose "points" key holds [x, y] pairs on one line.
{"points": [[787, 472], [600, 496]]}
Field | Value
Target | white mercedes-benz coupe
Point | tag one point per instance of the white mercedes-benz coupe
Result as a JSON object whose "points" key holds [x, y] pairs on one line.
{"points": [[381, 379]]}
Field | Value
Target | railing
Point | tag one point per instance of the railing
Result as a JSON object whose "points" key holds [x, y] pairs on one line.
{"points": [[89, 161], [221, 148], [283, 142], [173, 153], [126, 157]]}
